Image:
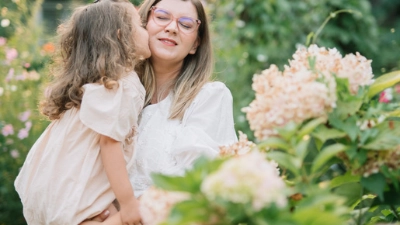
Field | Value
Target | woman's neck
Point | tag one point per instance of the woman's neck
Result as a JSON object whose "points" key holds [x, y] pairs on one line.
{"points": [[165, 74]]}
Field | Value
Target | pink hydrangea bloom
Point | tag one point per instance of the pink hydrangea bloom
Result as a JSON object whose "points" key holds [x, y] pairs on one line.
{"points": [[11, 54], [156, 204], [3, 41], [24, 116], [301, 92], [14, 153], [28, 125], [10, 75], [23, 133], [7, 130]]}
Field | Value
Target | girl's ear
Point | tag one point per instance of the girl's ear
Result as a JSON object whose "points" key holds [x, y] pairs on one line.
{"points": [[195, 45]]}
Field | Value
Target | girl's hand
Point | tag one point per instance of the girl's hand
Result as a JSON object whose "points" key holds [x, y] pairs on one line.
{"points": [[130, 214]]}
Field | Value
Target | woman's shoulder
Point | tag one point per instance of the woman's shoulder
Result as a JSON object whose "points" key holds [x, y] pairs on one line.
{"points": [[215, 87], [214, 90]]}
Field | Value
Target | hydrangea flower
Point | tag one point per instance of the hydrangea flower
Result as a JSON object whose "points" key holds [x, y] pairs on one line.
{"points": [[247, 179], [156, 204], [305, 89], [7, 130], [241, 147]]}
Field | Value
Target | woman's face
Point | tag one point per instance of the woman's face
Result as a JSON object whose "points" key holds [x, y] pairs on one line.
{"points": [[168, 42]]}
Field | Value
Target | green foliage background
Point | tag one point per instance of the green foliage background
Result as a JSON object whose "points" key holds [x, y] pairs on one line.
{"points": [[248, 36]]}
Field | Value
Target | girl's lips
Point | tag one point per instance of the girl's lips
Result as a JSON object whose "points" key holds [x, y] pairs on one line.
{"points": [[167, 41]]}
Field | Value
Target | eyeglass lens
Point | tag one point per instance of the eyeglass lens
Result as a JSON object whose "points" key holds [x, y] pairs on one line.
{"points": [[185, 24]]}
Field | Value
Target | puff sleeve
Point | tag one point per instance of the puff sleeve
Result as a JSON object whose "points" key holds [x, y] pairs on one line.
{"points": [[207, 124], [112, 113]]}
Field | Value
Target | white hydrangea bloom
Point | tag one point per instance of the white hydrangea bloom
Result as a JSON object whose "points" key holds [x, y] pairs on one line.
{"points": [[249, 178]]}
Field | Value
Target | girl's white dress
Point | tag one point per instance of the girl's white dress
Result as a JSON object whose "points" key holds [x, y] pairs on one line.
{"points": [[171, 146], [63, 181]]}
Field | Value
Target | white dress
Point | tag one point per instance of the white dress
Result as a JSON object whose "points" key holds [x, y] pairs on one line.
{"points": [[63, 181], [171, 146]]}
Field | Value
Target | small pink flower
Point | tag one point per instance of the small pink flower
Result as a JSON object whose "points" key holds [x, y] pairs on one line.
{"points": [[383, 98], [20, 77], [3, 41], [10, 75], [23, 133], [28, 125], [27, 65], [7, 130], [11, 54], [397, 89], [25, 115], [14, 153]]}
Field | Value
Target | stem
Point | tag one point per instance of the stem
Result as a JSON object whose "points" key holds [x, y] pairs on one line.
{"points": [[331, 15], [395, 212], [360, 208]]}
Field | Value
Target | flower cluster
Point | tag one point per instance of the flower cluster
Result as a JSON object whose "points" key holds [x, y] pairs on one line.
{"points": [[305, 89], [241, 147], [247, 179], [156, 204], [375, 161]]}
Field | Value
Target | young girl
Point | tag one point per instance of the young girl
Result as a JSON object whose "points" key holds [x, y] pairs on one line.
{"points": [[78, 166]]}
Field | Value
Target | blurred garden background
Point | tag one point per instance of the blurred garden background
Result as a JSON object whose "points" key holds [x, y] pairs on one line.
{"points": [[248, 36]]}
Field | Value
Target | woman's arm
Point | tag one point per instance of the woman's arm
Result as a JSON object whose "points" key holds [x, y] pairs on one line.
{"points": [[207, 124]]}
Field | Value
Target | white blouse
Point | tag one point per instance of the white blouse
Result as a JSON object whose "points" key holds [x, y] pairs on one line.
{"points": [[171, 146]]}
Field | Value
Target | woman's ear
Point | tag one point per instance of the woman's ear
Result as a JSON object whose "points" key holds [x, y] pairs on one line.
{"points": [[195, 45]]}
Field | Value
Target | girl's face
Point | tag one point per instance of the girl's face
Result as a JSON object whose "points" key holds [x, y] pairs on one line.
{"points": [[168, 41], [140, 35]]}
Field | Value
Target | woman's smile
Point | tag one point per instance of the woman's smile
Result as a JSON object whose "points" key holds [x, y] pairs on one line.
{"points": [[168, 42]]}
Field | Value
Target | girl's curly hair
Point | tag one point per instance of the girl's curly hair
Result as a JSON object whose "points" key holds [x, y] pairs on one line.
{"points": [[96, 45]]}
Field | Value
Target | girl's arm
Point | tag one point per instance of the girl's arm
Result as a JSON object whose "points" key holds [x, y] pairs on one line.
{"points": [[115, 166]]}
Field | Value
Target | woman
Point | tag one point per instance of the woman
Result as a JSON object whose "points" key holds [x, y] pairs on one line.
{"points": [[186, 115]]}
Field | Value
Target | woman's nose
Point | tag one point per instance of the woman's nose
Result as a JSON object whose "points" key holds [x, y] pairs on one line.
{"points": [[172, 27]]}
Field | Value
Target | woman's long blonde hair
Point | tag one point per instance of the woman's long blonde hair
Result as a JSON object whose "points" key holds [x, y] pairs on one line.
{"points": [[96, 45], [196, 70]]}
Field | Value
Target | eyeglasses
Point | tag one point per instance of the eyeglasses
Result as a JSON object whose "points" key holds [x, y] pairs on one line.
{"points": [[185, 24]]}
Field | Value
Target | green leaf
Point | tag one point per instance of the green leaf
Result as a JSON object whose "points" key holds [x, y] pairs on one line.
{"points": [[349, 125], [274, 143], [344, 179], [347, 108], [288, 130], [301, 149], [323, 133], [375, 183], [326, 154], [190, 211], [351, 191], [387, 138], [310, 127], [383, 82], [193, 178], [172, 183], [285, 160], [390, 197]]}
